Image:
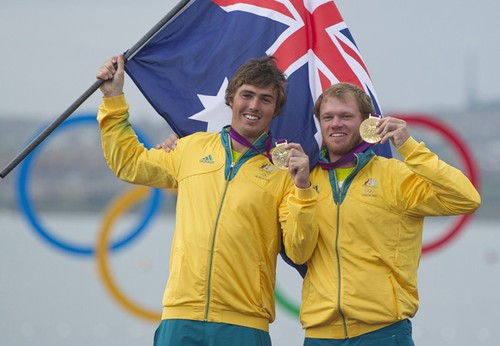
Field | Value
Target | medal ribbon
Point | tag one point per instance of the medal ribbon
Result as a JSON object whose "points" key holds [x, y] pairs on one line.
{"points": [[242, 140], [346, 158]]}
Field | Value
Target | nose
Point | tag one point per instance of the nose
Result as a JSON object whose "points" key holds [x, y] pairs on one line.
{"points": [[253, 103], [336, 122]]}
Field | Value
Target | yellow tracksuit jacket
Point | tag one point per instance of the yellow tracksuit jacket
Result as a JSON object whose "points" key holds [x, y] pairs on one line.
{"points": [[362, 275], [229, 219]]}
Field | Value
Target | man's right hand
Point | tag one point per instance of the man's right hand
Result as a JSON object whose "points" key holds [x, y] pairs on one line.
{"points": [[297, 162], [112, 72], [169, 143]]}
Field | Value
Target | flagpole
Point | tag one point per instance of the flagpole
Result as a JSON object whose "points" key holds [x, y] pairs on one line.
{"points": [[87, 93]]}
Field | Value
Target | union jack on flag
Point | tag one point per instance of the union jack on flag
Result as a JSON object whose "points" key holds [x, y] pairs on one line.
{"points": [[184, 69]]}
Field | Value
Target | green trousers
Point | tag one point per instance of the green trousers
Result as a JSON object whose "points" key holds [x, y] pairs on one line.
{"points": [[199, 333], [397, 334]]}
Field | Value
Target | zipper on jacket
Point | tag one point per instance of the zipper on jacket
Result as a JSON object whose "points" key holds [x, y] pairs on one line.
{"points": [[337, 253], [340, 192], [209, 279]]}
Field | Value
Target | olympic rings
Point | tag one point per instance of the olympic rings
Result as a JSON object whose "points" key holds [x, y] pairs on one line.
{"points": [[459, 145], [128, 199], [26, 206]]}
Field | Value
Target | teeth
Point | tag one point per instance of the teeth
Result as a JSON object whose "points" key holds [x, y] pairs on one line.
{"points": [[337, 135], [250, 117]]}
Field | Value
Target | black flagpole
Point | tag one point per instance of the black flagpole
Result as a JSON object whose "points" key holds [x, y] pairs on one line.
{"points": [[78, 102]]}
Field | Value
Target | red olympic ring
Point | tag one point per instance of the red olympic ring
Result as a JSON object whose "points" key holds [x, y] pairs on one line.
{"points": [[460, 147]]}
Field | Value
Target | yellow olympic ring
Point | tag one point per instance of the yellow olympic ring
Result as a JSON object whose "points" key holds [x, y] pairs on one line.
{"points": [[127, 200]]}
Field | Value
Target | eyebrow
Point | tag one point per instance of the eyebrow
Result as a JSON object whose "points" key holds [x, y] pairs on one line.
{"points": [[341, 114], [266, 95]]}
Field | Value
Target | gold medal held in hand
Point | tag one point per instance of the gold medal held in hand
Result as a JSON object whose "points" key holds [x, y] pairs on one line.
{"points": [[368, 130], [279, 155]]}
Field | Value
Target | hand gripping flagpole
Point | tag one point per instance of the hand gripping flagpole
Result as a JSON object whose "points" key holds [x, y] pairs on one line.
{"points": [[78, 102]]}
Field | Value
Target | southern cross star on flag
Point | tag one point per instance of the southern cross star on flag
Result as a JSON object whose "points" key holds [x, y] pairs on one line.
{"points": [[183, 70]]}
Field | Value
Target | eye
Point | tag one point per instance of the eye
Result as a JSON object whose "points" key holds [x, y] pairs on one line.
{"points": [[267, 100]]}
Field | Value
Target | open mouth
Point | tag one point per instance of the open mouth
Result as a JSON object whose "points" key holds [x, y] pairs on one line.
{"points": [[250, 117], [337, 135]]}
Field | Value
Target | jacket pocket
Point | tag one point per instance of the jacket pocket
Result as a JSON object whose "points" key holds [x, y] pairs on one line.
{"points": [[394, 285]]}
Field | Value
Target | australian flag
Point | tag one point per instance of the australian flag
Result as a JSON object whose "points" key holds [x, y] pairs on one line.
{"points": [[183, 70]]}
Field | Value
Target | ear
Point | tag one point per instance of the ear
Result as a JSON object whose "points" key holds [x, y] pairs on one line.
{"points": [[277, 113]]}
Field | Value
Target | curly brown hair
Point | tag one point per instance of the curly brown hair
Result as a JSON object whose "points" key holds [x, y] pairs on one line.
{"points": [[262, 72]]}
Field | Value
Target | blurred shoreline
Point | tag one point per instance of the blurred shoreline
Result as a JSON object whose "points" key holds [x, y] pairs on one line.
{"points": [[67, 172]]}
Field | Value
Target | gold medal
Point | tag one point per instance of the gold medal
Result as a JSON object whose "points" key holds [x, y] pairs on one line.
{"points": [[279, 155], [368, 130]]}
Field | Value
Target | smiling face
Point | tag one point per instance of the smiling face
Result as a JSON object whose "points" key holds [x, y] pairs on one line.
{"points": [[253, 110], [339, 120]]}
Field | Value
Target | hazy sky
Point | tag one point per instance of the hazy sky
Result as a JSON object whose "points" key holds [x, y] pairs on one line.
{"points": [[421, 54]]}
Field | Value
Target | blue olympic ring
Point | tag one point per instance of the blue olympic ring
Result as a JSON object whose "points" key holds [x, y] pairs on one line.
{"points": [[26, 207]]}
